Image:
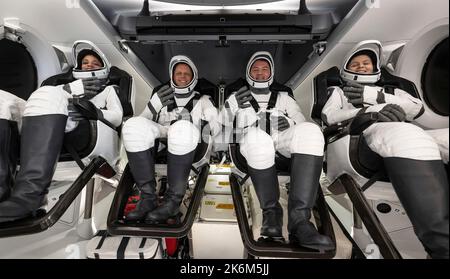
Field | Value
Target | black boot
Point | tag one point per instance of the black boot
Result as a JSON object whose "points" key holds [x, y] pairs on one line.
{"points": [[8, 159], [268, 192], [178, 169], [422, 187], [305, 175], [41, 142], [142, 167]]}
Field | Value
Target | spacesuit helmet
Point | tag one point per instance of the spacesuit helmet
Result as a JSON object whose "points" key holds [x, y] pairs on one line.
{"points": [[260, 55], [80, 50], [182, 59], [373, 50]]}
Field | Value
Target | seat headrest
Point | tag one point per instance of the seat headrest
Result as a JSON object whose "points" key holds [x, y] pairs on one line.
{"points": [[58, 79], [124, 81], [322, 81], [390, 82], [205, 87]]}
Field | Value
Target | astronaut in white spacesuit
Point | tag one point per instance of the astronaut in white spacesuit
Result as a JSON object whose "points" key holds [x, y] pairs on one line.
{"points": [[412, 158], [272, 122], [174, 112], [43, 120]]}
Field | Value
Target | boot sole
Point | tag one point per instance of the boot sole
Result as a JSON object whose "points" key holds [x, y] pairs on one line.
{"points": [[137, 219], [169, 221], [36, 214], [318, 247], [130, 221], [263, 238]]}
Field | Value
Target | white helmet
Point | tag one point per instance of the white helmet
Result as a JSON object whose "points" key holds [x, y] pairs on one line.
{"points": [[260, 55], [371, 48], [82, 48], [185, 60]]}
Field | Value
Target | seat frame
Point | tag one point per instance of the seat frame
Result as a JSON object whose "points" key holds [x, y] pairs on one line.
{"points": [[238, 178]]}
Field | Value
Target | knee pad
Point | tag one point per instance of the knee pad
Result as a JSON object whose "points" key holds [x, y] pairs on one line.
{"points": [[258, 149], [441, 137], [139, 134], [307, 138], [5, 110], [6, 105], [11, 107], [401, 140], [182, 137], [47, 100]]}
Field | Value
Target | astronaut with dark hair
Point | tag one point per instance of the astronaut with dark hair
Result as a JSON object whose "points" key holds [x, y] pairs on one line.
{"points": [[43, 120], [411, 156], [272, 122], [175, 112]]}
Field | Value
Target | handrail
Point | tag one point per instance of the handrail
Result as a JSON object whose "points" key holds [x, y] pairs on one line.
{"points": [[370, 220]]}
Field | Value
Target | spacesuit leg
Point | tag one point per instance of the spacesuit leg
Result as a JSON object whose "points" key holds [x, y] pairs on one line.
{"points": [[42, 135], [304, 143], [258, 149], [182, 140], [11, 108], [11, 111], [139, 135], [441, 137], [8, 159], [413, 162]]}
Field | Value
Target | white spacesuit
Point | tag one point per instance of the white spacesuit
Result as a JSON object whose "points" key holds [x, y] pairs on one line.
{"points": [[272, 121], [43, 121], [175, 112], [411, 156]]}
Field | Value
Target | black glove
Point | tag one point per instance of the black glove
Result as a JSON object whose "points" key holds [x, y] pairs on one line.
{"points": [[84, 109], [391, 113], [354, 93], [162, 98], [282, 123], [91, 87], [74, 112], [243, 95]]}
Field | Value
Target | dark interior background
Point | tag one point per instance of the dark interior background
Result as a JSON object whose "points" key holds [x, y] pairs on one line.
{"points": [[18, 73], [435, 83], [222, 64]]}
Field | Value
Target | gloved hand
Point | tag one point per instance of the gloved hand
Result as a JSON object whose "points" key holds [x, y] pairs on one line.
{"points": [[163, 97], [74, 112], [358, 94], [280, 123], [81, 108], [243, 96], [88, 87], [391, 113]]}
